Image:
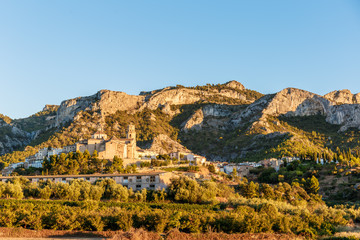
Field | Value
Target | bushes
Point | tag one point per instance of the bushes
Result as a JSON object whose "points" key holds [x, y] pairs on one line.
{"points": [[283, 208], [186, 190], [249, 215]]}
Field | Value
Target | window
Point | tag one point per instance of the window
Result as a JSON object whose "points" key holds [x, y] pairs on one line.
{"points": [[64, 179], [88, 179], [138, 186], [125, 180], [152, 178], [152, 186], [126, 186], [138, 179]]}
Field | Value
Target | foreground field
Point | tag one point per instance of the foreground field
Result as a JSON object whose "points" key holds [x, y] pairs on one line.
{"points": [[138, 234], [243, 217]]}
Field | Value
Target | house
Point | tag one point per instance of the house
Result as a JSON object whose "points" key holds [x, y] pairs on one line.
{"points": [[146, 154], [272, 162], [136, 181], [180, 155], [191, 157]]}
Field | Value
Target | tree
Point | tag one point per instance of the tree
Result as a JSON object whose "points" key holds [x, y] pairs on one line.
{"points": [[117, 165], [234, 172], [267, 191], [119, 193], [211, 168], [13, 191], [95, 154], [312, 185], [250, 190]]}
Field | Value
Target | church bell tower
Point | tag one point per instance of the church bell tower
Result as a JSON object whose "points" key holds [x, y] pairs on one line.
{"points": [[131, 134]]}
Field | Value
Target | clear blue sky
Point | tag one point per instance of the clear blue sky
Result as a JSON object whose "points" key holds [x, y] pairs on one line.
{"points": [[55, 50]]}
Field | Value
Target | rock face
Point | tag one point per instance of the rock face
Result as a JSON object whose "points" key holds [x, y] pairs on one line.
{"points": [[347, 115], [181, 96], [111, 101], [12, 138], [235, 85], [252, 113], [105, 101], [18, 133], [296, 102], [211, 115], [195, 122], [215, 107], [108, 102], [163, 144], [343, 97], [69, 108]]}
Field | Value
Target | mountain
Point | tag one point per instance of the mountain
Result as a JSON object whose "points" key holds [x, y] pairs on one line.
{"points": [[223, 122], [18, 133]]}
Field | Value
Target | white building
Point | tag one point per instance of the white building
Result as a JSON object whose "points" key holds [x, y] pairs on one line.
{"points": [[54, 151]]}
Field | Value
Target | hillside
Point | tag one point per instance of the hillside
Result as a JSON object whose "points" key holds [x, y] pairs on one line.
{"points": [[223, 122]]}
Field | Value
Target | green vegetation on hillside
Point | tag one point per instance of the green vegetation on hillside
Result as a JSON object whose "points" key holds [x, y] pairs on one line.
{"points": [[148, 124], [314, 138], [249, 94]]}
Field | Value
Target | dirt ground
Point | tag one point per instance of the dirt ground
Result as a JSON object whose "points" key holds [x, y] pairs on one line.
{"points": [[134, 234]]}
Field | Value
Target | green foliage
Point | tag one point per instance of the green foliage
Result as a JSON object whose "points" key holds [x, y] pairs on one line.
{"points": [[312, 185], [282, 208], [186, 190], [249, 94], [83, 163], [35, 122], [149, 124], [248, 215]]}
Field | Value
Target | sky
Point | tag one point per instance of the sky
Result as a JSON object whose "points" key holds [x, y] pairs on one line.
{"points": [[55, 50]]}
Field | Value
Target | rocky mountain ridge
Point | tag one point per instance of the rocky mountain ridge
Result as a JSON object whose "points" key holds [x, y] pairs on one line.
{"points": [[15, 134], [215, 112]]}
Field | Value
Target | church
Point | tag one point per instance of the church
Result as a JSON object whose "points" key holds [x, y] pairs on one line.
{"points": [[124, 148]]}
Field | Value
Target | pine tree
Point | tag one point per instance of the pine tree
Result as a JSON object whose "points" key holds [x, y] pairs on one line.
{"points": [[312, 185]]}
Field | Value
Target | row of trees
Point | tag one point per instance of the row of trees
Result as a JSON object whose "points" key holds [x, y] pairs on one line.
{"points": [[76, 190], [257, 207], [182, 190], [83, 163], [250, 216]]}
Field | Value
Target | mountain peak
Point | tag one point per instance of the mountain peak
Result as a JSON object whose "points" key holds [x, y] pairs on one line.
{"points": [[235, 85], [343, 97]]}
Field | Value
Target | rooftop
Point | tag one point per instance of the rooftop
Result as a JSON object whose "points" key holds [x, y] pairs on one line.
{"points": [[88, 175]]}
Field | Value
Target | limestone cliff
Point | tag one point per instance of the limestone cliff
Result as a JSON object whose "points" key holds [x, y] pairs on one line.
{"points": [[104, 101], [108, 102], [343, 97], [223, 121], [180, 96], [296, 102], [163, 144], [12, 138], [213, 115], [15, 134], [235, 85]]}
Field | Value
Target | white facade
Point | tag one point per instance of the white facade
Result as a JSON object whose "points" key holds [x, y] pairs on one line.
{"points": [[54, 151]]}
